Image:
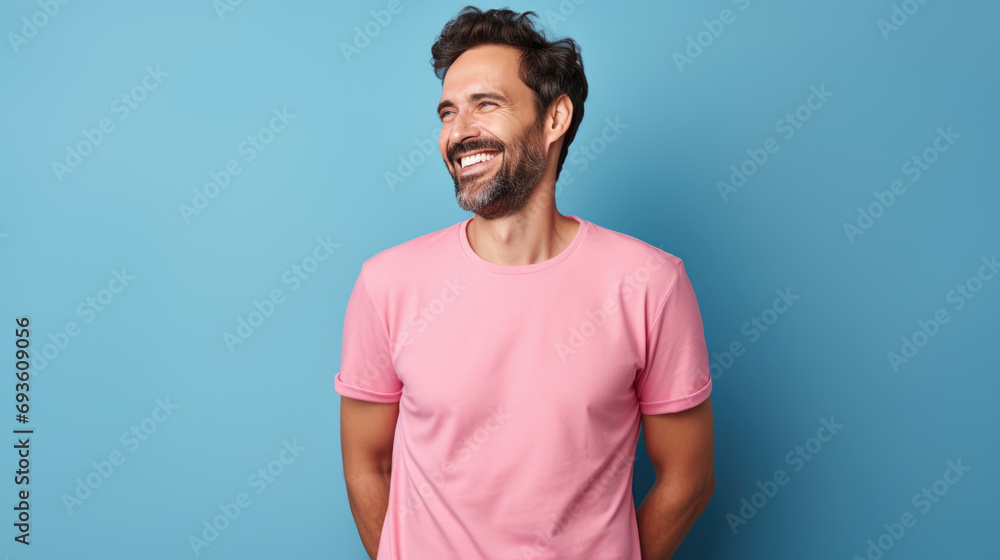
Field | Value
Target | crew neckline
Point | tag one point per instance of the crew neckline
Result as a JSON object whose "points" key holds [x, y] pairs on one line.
{"points": [[474, 257]]}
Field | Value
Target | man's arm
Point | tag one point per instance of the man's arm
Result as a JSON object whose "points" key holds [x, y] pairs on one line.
{"points": [[680, 446], [366, 434]]}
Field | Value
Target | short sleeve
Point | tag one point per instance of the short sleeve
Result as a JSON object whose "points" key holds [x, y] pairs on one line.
{"points": [[676, 375], [366, 371]]}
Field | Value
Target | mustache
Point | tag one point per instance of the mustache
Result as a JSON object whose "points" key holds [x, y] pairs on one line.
{"points": [[475, 145]]}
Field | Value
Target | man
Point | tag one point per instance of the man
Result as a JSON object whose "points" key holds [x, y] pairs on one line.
{"points": [[494, 373]]}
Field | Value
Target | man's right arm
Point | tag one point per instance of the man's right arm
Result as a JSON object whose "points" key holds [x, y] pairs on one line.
{"points": [[366, 435]]}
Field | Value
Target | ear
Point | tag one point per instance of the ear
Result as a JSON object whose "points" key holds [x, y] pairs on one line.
{"points": [[557, 119]]}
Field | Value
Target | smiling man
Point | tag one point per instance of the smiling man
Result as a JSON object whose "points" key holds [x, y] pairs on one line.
{"points": [[495, 374]]}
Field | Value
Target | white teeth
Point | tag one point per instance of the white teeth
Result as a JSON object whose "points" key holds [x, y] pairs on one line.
{"points": [[476, 158]]}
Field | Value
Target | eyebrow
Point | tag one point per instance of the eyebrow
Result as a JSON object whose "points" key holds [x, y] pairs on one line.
{"points": [[473, 98]]}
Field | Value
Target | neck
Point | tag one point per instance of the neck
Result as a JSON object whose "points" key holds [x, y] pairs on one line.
{"points": [[535, 234]]}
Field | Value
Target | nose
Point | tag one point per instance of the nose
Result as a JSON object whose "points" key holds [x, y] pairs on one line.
{"points": [[463, 127]]}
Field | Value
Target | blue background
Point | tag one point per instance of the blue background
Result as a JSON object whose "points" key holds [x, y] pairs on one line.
{"points": [[323, 175]]}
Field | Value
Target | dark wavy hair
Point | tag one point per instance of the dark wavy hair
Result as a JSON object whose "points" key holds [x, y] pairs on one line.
{"points": [[548, 68]]}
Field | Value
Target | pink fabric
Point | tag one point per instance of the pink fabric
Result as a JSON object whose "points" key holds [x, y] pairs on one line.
{"points": [[520, 390]]}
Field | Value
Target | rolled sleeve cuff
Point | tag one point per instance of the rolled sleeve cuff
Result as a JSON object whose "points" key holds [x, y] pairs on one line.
{"points": [[364, 394], [677, 405]]}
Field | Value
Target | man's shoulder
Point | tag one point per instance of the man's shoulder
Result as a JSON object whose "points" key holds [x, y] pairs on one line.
{"points": [[409, 257], [628, 252]]}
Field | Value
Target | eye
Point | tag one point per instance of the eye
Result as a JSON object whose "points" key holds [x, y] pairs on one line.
{"points": [[444, 114]]}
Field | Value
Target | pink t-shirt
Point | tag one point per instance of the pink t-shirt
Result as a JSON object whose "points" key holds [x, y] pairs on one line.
{"points": [[520, 390]]}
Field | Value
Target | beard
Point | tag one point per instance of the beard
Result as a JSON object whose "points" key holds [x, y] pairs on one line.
{"points": [[506, 190]]}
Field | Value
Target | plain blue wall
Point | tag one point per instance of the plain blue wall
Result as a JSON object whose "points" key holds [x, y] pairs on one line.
{"points": [[683, 123]]}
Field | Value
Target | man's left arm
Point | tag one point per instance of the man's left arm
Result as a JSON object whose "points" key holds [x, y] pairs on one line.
{"points": [[680, 446]]}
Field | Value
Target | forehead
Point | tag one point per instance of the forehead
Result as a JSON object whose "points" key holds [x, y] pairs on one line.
{"points": [[485, 67]]}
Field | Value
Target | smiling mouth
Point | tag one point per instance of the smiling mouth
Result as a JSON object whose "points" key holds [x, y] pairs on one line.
{"points": [[476, 161]]}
